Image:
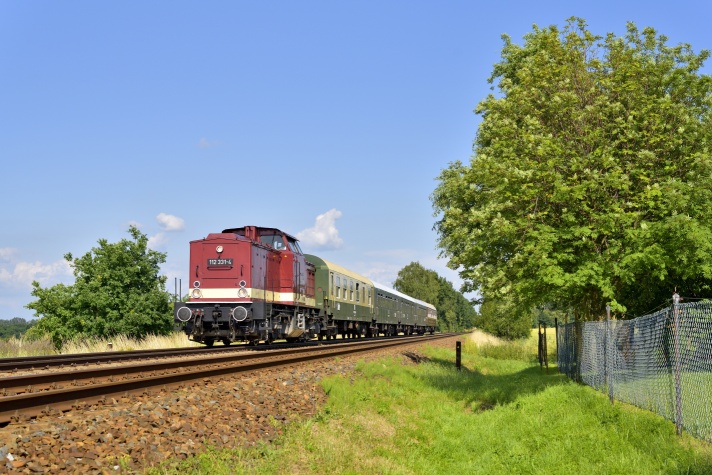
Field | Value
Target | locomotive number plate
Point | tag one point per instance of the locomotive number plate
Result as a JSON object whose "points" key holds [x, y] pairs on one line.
{"points": [[219, 262]]}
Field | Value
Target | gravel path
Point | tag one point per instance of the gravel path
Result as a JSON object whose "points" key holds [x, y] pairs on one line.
{"points": [[144, 430]]}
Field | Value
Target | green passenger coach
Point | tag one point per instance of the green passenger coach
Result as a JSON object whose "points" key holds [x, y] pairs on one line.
{"points": [[355, 306], [344, 296]]}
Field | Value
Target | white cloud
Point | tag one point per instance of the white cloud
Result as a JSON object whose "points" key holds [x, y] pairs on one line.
{"points": [[7, 252], [135, 224], [324, 234], [154, 242], [25, 272], [170, 222]]}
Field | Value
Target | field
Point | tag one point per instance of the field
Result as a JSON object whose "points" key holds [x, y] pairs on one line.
{"points": [[501, 414]]}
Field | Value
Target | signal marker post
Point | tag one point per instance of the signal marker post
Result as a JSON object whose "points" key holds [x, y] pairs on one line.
{"points": [[458, 355]]}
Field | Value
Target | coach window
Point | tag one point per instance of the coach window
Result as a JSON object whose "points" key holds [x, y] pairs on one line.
{"points": [[338, 286], [358, 295], [351, 290], [331, 292]]}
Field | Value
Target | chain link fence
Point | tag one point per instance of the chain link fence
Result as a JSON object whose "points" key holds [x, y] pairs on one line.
{"points": [[661, 362]]}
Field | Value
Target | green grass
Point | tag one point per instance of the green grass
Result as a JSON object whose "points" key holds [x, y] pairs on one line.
{"points": [[495, 416]]}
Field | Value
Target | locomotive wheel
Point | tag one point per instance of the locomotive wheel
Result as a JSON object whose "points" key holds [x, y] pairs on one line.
{"points": [[226, 341], [320, 337], [269, 340], [209, 342]]}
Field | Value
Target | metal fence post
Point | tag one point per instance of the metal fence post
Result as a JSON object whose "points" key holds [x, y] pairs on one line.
{"points": [[607, 354], [676, 345]]}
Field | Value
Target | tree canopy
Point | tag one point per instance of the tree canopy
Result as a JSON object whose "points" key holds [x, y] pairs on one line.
{"points": [[455, 312], [118, 289], [591, 179], [15, 327]]}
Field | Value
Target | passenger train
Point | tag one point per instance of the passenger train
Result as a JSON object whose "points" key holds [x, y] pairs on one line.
{"points": [[255, 284]]}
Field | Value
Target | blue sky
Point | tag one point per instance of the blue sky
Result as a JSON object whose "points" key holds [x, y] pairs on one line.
{"points": [[328, 119]]}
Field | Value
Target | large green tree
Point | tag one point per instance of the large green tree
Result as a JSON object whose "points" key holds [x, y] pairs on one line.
{"points": [[455, 312], [118, 289], [591, 179]]}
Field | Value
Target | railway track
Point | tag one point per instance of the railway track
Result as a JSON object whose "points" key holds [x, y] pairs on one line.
{"points": [[26, 396], [82, 359]]}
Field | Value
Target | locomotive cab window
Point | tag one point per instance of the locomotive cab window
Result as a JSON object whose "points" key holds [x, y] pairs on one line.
{"points": [[294, 245], [274, 241]]}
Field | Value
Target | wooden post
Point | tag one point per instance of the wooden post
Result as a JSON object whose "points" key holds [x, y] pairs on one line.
{"points": [[556, 335]]}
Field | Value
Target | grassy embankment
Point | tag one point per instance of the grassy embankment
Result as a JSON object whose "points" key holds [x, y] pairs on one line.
{"points": [[500, 414]]}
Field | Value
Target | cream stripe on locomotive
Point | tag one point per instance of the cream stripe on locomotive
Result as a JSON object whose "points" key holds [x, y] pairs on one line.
{"points": [[248, 293]]}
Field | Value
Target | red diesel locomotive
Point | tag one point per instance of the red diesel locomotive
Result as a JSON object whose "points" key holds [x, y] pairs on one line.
{"points": [[255, 284]]}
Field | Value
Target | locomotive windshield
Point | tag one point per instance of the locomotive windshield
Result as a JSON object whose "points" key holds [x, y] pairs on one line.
{"points": [[273, 240], [294, 245]]}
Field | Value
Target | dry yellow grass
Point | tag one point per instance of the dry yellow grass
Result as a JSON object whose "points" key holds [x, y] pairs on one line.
{"points": [[18, 347], [480, 338], [124, 343]]}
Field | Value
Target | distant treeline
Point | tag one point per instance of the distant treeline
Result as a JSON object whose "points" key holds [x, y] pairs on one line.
{"points": [[15, 327]]}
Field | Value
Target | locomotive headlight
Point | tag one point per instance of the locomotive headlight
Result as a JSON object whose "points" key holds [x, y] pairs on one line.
{"points": [[219, 249], [196, 293]]}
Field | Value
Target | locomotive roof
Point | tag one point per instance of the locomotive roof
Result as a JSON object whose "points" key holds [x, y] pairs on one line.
{"points": [[275, 230]]}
